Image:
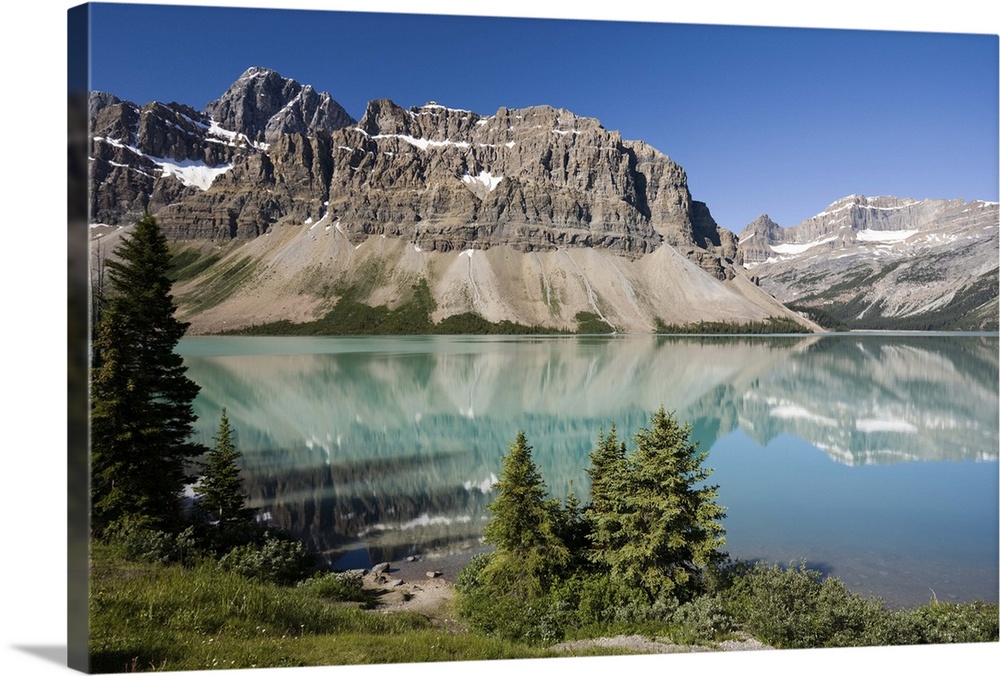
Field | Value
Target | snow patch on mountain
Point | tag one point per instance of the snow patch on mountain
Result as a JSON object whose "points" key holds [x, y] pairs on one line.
{"points": [[889, 262], [229, 137], [483, 180], [191, 172], [795, 249], [422, 143], [885, 236]]}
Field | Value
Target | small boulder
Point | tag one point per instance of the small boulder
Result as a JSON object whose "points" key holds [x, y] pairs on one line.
{"points": [[433, 573], [380, 568]]}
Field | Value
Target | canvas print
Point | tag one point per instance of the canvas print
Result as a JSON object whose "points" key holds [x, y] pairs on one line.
{"points": [[417, 338]]}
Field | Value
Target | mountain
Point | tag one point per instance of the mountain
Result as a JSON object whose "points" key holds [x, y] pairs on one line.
{"points": [[147, 157], [263, 106], [281, 206], [883, 263]]}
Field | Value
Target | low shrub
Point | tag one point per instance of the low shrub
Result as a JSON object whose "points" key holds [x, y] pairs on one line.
{"points": [[141, 542], [953, 622], [798, 608], [701, 620], [585, 604], [335, 587], [507, 612], [276, 560]]}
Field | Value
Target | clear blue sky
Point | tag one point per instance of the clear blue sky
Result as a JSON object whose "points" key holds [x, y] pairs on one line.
{"points": [[780, 121]]}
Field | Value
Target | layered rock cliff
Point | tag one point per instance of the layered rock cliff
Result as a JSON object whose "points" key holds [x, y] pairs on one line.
{"points": [[536, 179], [272, 156]]}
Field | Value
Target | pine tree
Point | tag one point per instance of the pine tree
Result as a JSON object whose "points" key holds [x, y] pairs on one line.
{"points": [[571, 526], [667, 516], [221, 489], [141, 399], [607, 465], [523, 529], [608, 476]]}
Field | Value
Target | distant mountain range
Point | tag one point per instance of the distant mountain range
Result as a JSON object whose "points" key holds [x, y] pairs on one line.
{"points": [[283, 208], [883, 263]]}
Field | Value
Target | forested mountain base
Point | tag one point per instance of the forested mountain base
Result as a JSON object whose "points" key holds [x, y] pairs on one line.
{"points": [[973, 307]]}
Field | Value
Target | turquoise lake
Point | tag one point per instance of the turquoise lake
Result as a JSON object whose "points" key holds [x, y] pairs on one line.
{"points": [[873, 457]]}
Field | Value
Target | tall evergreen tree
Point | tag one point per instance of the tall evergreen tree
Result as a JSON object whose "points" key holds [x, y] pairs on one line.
{"points": [[524, 527], [570, 524], [608, 489], [141, 399], [221, 489], [669, 522]]}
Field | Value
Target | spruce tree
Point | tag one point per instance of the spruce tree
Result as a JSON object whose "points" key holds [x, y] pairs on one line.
{"points": [[663, 529], [221, 488], [608, 476], [606, 471], [571, 528], [524, 527], [141, 398]]}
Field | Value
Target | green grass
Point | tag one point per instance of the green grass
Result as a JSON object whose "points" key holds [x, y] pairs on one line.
{"points": [[147, 616], [188, 263], [471, 323], [797, 607], [351, 317], [590, 322], [220, 284], [821, 316]]}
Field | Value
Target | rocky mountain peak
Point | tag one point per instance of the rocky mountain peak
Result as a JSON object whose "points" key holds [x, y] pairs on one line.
{"points": [[532, 215], [756, 238], [865, 202], [535, 178], [258, 72], [262, 105], [762, 223], [98, 101]]}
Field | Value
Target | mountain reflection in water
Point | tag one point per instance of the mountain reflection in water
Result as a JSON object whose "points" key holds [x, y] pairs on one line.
{"points": [[388, 445]]}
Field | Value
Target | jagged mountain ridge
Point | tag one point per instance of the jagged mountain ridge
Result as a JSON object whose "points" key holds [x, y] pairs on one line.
{"points": [[275, 157], [263, 106], [148, 157], [535, 178], [884, 262]]}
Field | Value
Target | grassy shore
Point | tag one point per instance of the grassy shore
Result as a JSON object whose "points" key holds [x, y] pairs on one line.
{"points": [[149, 616], [169, 617]]}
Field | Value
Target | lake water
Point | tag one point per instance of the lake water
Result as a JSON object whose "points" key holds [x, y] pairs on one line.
{"points": [[872, 457]]}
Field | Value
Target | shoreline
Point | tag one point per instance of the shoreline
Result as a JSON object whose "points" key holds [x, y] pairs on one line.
{"points": [[416, 571]]}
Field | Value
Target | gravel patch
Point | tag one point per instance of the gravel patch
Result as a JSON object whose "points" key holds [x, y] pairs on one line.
{"points": [[641, 644]]}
